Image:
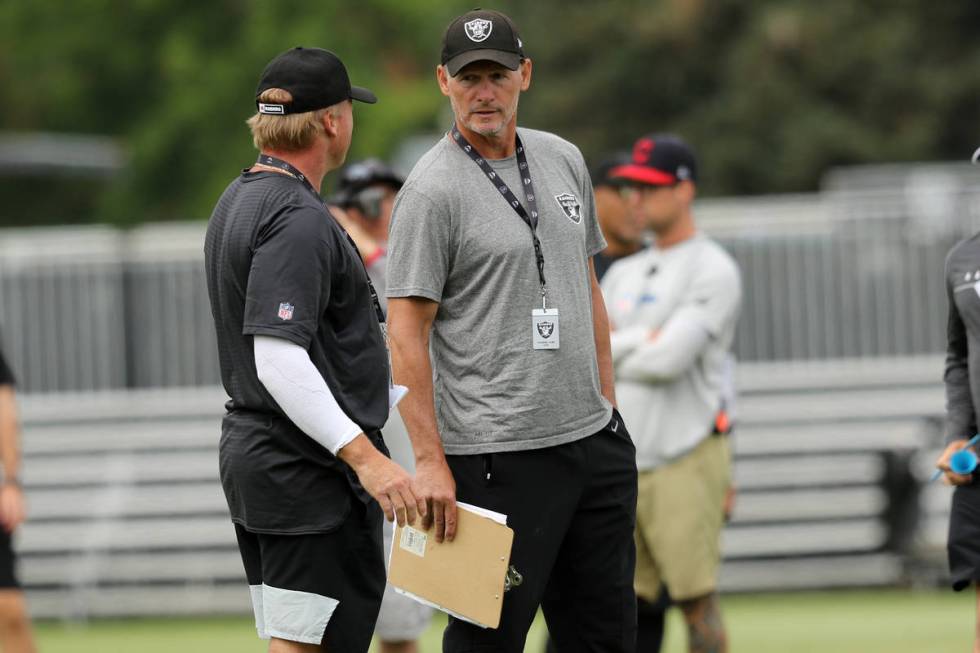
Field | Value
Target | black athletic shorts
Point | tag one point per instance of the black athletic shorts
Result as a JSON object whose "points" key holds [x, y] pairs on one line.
{"points": [[963, 545], [573, 511], [8, 579], [320, 588]]}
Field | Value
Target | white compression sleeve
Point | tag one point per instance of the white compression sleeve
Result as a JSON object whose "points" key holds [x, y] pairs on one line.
{"points": [[286, 371]]}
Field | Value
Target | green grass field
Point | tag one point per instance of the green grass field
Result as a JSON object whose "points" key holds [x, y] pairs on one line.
{"points": [[841, 622]]}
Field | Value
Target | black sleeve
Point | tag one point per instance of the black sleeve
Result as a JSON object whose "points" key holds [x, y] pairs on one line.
{"points": [[961, 421], [6, 376], [289, 280]]}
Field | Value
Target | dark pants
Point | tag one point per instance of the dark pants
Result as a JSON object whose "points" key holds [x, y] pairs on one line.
{"points": [[8, 560], [963, 544], [573, 511], [650, 622]]}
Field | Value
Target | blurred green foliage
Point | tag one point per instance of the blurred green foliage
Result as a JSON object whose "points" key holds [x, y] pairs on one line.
{"points": [[771, 92]]}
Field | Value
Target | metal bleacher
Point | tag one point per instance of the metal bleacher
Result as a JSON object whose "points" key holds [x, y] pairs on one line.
{"points": [[827, 494], [126, 511], [127, 515]]}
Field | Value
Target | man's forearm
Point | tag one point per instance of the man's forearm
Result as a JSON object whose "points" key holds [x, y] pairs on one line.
{"points": [[412, 368], [9, 434], [418, 407], [603, 349]]}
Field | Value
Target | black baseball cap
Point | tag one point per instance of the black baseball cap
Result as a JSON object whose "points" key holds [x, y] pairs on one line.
{"points": [[659, 160], [315, 77], [481, 35], [602, 172], [358, 176]]}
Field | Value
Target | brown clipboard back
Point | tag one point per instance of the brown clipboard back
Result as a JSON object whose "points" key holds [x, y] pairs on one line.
{"points": [[465, 576]]}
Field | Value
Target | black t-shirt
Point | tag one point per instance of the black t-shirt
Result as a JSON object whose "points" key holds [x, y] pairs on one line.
{"points": [[279, 265], [6, 376]]}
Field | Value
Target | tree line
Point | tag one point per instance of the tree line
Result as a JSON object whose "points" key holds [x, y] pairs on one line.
{"points": [[771, 92]]}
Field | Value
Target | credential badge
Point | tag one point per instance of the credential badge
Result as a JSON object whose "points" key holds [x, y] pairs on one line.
{"points": [[478, 30], [571, 206]]}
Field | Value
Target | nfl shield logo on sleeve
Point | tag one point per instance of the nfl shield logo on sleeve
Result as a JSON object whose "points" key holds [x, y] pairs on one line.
{"points": [[286, 311]]}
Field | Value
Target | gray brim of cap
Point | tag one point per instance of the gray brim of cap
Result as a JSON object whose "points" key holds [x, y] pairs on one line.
{"points": [[362, 95], [510, 60]]}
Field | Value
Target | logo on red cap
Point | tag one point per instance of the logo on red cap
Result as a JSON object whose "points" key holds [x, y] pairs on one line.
{"points": [[642, 150]]}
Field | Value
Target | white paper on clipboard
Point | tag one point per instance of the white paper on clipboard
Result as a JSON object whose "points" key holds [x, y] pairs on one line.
{"points": [[395, 394]]}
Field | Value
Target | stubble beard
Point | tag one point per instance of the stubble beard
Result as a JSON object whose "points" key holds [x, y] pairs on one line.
{"points": [[486, 132]]}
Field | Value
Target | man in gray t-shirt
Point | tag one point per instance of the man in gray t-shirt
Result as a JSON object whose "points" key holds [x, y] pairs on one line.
{"points": [[499, 330]]}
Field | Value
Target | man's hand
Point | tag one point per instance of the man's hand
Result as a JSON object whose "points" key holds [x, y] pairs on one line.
{"points": [[384, 480], [436, 486], [12, 511], [728, 505], [951, 477]]}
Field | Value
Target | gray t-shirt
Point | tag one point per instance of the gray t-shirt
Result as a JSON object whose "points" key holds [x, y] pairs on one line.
{"points": [[455, 240]]}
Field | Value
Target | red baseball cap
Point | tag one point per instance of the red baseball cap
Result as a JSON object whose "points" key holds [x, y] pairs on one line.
{"points": [[659, 160]]}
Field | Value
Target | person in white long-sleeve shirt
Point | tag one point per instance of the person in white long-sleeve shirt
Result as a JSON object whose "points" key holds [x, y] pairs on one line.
{"points": [[673, 308]]}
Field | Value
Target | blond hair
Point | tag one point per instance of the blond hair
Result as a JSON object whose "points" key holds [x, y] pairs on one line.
{"points": [[288, 133]]}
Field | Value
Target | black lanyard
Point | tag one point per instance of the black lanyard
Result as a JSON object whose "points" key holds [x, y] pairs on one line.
{"points": [[525, 171], [285, 166]]}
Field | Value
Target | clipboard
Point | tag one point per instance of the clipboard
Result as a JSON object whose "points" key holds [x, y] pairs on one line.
{"points": [[465, 577]]}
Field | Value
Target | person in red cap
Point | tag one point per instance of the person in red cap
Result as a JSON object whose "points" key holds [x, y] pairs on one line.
{"points": [[301, 346], [499, 330], [674, 307]]}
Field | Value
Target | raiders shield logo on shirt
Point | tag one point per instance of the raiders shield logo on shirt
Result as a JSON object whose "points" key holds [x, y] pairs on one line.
{"points": [[570, 206]]}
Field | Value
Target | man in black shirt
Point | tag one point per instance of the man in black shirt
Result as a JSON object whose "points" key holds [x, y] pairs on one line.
{"points": [[303, 359], [15, 624]]}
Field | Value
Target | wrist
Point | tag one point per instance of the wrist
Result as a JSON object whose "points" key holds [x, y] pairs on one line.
{"points": [[357, 452], [430, 459], [12, 480]]}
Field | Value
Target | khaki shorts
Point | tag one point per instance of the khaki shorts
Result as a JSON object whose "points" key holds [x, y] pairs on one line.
{"points": [[679, 517]]}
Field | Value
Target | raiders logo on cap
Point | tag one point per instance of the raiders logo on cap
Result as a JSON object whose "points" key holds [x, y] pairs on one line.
{"points": [[478, 29]]}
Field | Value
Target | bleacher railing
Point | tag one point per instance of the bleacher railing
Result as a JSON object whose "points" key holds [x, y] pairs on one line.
{"points": [[846, 273]]}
